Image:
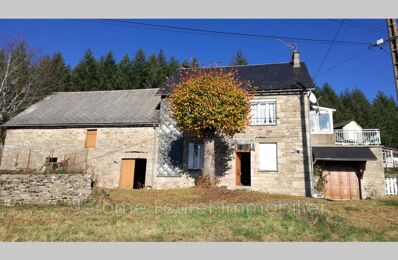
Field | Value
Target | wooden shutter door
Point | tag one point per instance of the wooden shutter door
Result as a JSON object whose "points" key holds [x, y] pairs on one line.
{"points": [[127, 174], [91, 138], [342, 183], [238, 169]]}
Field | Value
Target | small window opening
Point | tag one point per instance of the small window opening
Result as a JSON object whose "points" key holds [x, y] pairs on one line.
{"points": [[91, 138]]}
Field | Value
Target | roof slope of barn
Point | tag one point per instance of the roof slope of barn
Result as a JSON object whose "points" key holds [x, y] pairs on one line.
{"points": [[265, 77], [92, 108]]}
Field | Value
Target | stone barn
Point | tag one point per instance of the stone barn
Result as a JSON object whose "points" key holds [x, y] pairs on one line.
{"points": [[112, 134]]}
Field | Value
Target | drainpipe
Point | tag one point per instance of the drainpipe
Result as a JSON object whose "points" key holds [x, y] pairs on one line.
{"points": [[310, 159]]}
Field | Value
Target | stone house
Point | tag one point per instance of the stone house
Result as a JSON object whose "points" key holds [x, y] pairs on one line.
{"points": [[105, 132], [128, 139]]}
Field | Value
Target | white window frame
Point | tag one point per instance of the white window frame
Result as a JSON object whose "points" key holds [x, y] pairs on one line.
{"points": [[263, 166], [269, 110], [195, 156], [314, 115]]}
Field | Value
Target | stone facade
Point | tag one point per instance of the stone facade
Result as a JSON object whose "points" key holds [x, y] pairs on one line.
{"points": [[290, 133], [292, 138], [323, 139], [372, 182], [103, 161], [44, 188], [165, 149]]}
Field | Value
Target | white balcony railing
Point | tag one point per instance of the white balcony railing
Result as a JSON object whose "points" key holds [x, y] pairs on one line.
{"points": [[390, 163], [359, 137], [388, 159]]}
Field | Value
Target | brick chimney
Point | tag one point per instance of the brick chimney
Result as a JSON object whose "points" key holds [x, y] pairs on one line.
{"points": [[296, 59]]}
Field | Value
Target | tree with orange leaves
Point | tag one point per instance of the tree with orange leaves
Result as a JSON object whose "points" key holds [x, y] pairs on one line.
{"points": [[210, 103]]}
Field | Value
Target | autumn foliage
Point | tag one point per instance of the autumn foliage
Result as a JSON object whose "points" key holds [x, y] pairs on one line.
{"points": [[210, 102]]}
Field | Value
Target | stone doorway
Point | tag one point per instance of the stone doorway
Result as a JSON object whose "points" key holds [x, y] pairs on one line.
{"points": [[243, 177]]}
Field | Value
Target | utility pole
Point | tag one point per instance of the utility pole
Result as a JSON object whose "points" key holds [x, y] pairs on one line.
{"points": [[393, 39]]}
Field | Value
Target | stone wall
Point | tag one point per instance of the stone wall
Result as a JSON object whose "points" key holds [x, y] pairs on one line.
{"points": [[323, 139], [372, 183], [44, 188], [291, 133], [103, 161]]}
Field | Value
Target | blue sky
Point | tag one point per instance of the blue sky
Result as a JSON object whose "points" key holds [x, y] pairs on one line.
{"points": [[371, 70]]}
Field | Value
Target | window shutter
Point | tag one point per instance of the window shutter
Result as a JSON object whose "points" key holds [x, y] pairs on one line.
{"points": [[268, 157], [190, 156], [91, 138]]}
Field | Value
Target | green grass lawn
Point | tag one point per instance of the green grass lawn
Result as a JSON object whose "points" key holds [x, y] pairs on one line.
{"points": [[202, 215]]}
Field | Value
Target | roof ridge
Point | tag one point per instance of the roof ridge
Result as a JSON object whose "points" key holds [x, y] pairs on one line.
{"points": [[107, 91], [247, 65]]}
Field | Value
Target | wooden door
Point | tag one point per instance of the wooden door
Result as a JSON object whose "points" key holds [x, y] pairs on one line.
{"points": [[127, 174], [238, 169], [342, 183]]}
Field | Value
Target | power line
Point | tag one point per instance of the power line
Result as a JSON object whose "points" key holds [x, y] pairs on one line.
{"points": [[360, 25], [229, 33], [385, 51], [329, 49], [345, 61], [380, 29]]}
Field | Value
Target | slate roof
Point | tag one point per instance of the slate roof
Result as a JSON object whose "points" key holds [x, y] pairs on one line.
{"points": [[266, 77], [343, 154], [92, 108]]}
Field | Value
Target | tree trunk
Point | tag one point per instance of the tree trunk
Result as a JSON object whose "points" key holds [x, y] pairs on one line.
{"points": [[208, 164]]}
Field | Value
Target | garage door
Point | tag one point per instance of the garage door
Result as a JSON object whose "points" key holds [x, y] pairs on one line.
{"points": [[342, 183]]}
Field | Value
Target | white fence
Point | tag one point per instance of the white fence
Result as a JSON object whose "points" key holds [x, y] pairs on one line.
{"points": [[391, 186], [362, 137]]}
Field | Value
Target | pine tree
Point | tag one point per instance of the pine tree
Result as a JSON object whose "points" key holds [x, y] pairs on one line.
{"points": [[239, 59], [85, 76], [385, 117], [139, 69], [172, 66], [327, 97], [107, 72], [60, 72], [356, 107], [163, 66], [153, 70], [124, 74]]}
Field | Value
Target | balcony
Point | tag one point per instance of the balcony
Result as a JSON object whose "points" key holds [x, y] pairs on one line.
{"points": [[389, 161], [358, 137]]}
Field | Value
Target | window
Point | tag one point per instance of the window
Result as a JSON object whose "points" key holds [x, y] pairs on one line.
{"points": [[51, 159], [91, 137], [321, 122], [388, 157], [268, 157], [195, 156], [263, 112]]}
